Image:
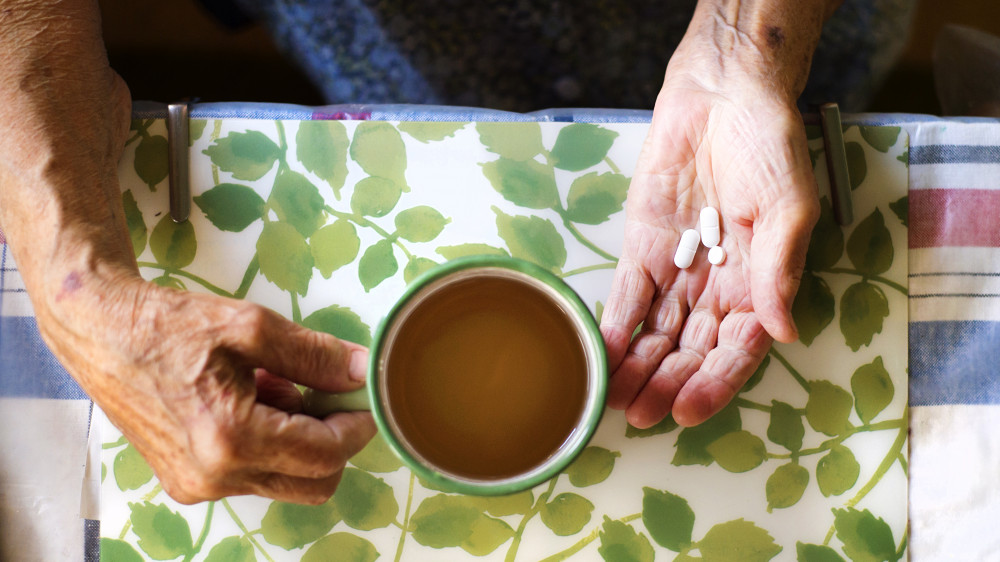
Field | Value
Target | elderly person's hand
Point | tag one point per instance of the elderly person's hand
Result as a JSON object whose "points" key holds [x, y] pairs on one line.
{"points": [[725, 133], [202, 386]]}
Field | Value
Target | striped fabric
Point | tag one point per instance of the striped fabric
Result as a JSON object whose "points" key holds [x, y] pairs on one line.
{"points": [[954, 340], [954, 289]]}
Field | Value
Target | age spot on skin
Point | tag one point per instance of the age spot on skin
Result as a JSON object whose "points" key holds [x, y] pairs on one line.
{"points": [[775, 37], [71, 284]]}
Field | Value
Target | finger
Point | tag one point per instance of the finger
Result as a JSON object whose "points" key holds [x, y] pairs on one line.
{"points": [[308, 491], [314, 359], [743, 342], [657, 338], [628, 302], [301, 446], [698, 337], [277, 392], [777, 256]]}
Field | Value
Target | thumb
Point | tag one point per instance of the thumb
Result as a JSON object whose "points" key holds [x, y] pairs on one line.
{"points": [[777, 257], [283, 348]]}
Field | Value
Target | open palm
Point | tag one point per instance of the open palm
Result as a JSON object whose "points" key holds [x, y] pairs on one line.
{"points": [[706, 328]]}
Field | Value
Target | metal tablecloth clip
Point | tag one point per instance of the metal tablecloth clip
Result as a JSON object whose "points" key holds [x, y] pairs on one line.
{"points": [[178, 136]]}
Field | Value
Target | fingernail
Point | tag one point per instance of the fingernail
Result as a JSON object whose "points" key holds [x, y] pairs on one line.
{"points": [[357, 369]]}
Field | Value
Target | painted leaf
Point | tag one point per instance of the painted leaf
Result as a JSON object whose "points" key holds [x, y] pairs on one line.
{"points": [[870, 245], [230, 549], [290, 525], [668, 518], [857, 167], [814, 132], [471, 249], [692, 442], [567, 514], [334, 246], [901, 208], [512, 504], [592, 466], [340, 322], [880, 138], [873, 389], [581, 145], [620, 542], [284, 257], [377, 264], [430, 131], [785, 486], [378, 148], [151, 162], [130, 469], [136, 225], [737, 540], [248, 156], [816, 553], [738, 451], [442, 521], [163, 534], [516, 141], [814, 307], [666, 425], [297, 201], [594, 197], [196, 128], [826, 245], [415, 266], [532, 238], [118, 550], [365, 502], [174, 245], [342, 547], [377, 456], [785, 428], [230, 206], [525, 183], [837, 471], [828, 407], [486, 536], [170, 282], [420, 224], [757, 375], [865, 537], [321, 146], [375, 196], [862, 309]]}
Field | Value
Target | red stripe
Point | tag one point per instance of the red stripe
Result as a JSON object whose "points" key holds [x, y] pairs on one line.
{"points": [[954, 217]]}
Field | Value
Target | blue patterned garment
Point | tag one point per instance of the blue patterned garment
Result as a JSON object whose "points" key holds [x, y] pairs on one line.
{"points": [[524, 55]]}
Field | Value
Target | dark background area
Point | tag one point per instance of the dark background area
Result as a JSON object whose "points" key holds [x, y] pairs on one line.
{"points": [[168, 51]]}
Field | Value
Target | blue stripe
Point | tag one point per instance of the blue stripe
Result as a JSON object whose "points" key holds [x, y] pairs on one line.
{"points": [[954, 363], [954, 154], [27, 367]]}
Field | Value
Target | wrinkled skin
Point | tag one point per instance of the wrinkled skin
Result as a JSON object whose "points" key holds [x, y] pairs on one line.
{"points": [[720, 139], [201, 385]]}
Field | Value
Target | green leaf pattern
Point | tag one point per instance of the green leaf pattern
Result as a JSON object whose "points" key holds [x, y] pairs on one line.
{"points": [[327, 222]]}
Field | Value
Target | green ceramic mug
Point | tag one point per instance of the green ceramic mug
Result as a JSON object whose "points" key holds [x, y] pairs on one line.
{"points": [[487, 377]]}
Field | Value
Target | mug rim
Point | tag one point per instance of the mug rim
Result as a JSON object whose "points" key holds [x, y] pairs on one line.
{"points": [[594, 406]]}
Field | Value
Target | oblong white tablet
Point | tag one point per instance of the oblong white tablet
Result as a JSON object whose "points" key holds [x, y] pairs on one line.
{"points": [[711, 235], [687, 248]]}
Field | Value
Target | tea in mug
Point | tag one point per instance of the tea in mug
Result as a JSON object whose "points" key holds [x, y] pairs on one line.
{"points": [[486, 378]]}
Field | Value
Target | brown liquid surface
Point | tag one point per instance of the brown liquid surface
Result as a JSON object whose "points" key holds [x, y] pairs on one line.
{"points": [[487, 379]]}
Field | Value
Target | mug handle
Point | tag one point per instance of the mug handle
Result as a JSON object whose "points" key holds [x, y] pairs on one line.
{"points": [[320, 404]]}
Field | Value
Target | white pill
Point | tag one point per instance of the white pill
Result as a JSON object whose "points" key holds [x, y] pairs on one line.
{"points": [[710, 233], [716, 255], [687, 248]]}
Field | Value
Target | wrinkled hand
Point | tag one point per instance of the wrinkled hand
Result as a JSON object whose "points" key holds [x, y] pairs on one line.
{"points": [[202, 387], [705, 329]]}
